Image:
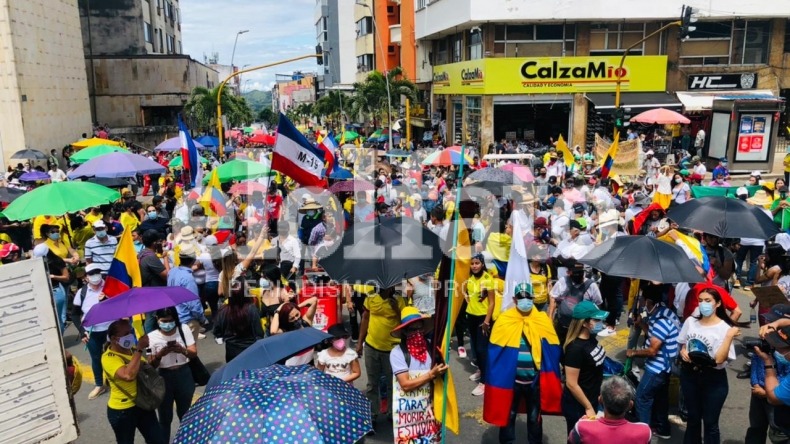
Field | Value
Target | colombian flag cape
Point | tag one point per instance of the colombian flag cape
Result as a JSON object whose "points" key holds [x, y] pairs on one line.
{"points": [[503, 355]]}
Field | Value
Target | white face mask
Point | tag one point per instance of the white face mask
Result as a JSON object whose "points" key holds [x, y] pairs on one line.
{"points": [[127, 341], [94, 279]]}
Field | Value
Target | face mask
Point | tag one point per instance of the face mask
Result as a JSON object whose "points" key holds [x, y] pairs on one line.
{"points": [[339, 344], [54, 236], [596, 328], [525, 304], [152, 215], [311, 213], [101, 233], [94, 279], [265, 284], [167, 326], [127, 341], [677, 181], [706, 308], [577, 278], [719, 180]]}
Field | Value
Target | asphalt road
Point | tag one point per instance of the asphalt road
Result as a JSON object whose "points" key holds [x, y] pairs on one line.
{"points": [[94, 428]]}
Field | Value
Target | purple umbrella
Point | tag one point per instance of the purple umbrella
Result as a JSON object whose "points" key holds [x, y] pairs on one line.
{"points": [[120, 164], [174, 144], [351, 185], [32, 176], [136, 301]]}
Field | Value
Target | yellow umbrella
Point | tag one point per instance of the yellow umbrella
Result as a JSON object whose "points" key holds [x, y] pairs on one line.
{"points": [[93, 141]]}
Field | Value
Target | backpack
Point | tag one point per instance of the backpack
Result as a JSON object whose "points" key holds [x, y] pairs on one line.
{"points": [[573, 295], [150, 387]]}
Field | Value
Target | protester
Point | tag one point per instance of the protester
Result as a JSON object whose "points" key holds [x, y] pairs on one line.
{"points": [[100, 249], [617, 398], [339, 359], [189, 313], [89, 296], [567, 293], [59, 276], [238, 322], [480, 297]]}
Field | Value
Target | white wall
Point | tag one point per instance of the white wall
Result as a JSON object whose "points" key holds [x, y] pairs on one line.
{"points": [[347, 41]]}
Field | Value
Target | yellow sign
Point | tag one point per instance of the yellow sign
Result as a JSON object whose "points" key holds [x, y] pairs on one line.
{"points": [[550, 75]]}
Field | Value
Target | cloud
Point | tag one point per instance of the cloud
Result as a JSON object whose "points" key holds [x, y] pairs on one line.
{"points": [[278, 30]]}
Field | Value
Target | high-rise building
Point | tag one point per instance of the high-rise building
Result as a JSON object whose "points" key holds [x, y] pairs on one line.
{"points": [[43, 89], [335, 33]]}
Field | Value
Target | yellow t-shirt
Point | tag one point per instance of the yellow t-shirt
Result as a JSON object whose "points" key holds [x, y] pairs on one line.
{"points": [[61, 222], [129, 221], [382, 321], [540, 289], [348, 205], [111, 361], [449, 209], [90, 218], [786, 163], [61, 250], [474, 289]]}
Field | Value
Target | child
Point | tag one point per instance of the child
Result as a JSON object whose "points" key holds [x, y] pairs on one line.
{"points": [[338, 360]]}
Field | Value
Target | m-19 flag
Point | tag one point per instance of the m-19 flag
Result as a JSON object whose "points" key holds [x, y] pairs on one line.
{"points": [[328, 146], [189, 154], [296, 157]]}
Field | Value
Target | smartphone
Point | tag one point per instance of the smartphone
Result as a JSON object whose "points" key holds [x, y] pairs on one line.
{"points": [[171, 343]]}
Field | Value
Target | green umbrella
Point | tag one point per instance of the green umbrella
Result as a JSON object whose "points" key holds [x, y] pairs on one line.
{"points": [[59, 198], [349, 135], [376, 134], [177, 162], [248, 129], [238, 169], [89, 153]]}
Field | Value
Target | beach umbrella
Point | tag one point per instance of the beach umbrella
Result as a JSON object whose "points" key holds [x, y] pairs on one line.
{"points": [[724, 217], [661, 116], [375, 136], [33, 176], [522, 172], [446, 158], [93, 141], [178, 162], [208, 141], [349, 135], [493, 175], [136, 301], [266, 139], [239, 169], [57, 199], [340, 174], [248, 129], [30, 155], [89, 153], [174, 144], [113, 165]]}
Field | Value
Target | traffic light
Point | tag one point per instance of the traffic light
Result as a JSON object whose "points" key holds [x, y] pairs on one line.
{"points": [[320, 53], [687, 17], [619, 118]]}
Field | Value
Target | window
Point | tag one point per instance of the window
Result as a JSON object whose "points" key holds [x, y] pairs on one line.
{"points": [[441, 55], [534, 40], [169, 40], [420, 4], [614, 38], [180, 49], [390, 49], [474, 50], [161, 41], [148, 31], [457, 43], [736, 42], [364, 26], [750, 43], [787, 36], [167, 10], [365, 63], [474, 111]]}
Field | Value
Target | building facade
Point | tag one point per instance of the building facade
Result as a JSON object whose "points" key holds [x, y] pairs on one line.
{"points": [[334, 24], [43, 87], [507, 70], [301, 89], [366, 44]]}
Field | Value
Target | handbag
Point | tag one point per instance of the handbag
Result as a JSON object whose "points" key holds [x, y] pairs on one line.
{"points": [[150, 387], [199, 371]]}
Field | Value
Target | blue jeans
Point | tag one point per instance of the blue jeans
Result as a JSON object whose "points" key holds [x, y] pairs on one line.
{"points": [[754, 251], [652, 401], [124, 422], [530, 395], [705, 392], [59, 294], [95, 348], [179, 387]]}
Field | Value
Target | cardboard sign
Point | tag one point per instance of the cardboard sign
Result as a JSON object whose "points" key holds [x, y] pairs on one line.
{"points": [[413, 421]]}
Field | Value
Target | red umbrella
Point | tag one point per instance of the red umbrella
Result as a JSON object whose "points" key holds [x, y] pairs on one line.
{"points": [[247, 188], [523, 173], [346, 186], [661, 116], [265, 139]]}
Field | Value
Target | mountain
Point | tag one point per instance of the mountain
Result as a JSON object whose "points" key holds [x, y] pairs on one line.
{"points": [[258, 100]]}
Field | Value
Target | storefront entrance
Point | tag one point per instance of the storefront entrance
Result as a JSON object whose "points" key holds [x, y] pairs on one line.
{"points": [[538, 122]]}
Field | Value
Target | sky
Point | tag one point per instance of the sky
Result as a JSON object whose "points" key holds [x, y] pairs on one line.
{"points": [[278, 30]]}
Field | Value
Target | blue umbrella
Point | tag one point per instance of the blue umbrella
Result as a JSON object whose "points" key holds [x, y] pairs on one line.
{"points": [[208, 141], [121, 164], [32, 176], [341, 174], [174, 144], [268, 351], [278, 405]]}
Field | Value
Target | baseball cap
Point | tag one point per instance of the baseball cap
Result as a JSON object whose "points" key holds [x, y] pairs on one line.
{"points": [[777, 312], [99, 224], [698, 353], [576, 224], [578, 208], [8, 249], [649, 153], [588, 310], [541, 222], [92, 267], [780, 338]]}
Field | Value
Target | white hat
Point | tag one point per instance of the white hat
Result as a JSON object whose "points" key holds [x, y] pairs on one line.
{"points": [[210, 240], [41, 250], [649, 153], [187, 250], [186, 234], [99, 224], [92, 267], [608, 217], [742, 191]]}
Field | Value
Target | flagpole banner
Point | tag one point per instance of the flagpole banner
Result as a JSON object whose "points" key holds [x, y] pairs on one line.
{"points": [[124, 272], [626, 163], [296, 157], [189, 154]]}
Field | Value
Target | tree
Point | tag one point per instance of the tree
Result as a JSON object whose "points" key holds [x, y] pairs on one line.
{"points": [[202, 108], [370, 96], [328, 107], [269, 117]]}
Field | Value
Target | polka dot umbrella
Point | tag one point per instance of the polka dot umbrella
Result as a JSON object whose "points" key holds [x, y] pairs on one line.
{"points": [[278, 404]]}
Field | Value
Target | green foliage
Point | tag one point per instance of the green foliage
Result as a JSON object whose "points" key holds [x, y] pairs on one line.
{"points": [[258, 100], [268, 116], [202, 108], [370, 96]]}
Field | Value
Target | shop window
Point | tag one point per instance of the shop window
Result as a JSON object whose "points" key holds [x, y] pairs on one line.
{"points": [[474, 50], [614, 38], [474, 112]]}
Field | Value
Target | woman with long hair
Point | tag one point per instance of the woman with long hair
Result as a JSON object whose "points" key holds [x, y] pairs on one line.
{"points": [[583, 360], [273, 293], [771, 266], [480, 300], [233, 269], [706, 341], [289, 316], [239, 322]]}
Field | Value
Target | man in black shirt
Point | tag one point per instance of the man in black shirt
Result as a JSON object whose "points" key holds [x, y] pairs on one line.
{"points": [[153, 271]]}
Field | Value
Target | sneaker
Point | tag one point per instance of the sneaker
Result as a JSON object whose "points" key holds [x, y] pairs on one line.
{"points": [[608, 331], [201, 336], [661, 434], [96, 392], [219, 341], [475, 377], [461, 352], [202, 330], [747, 288], [474, 364], [479, 390], [736, 284]]}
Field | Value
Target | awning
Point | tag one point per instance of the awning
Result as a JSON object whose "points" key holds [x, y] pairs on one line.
{"points": [[639, 101], [703, 100]]}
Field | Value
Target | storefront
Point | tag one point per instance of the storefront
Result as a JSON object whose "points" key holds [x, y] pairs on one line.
{"points": [[533, 98]]}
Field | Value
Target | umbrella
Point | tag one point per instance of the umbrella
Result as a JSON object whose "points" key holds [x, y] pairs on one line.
{"points": [[661, 116], [247, 188], [340, 174], [238, 169], [445, 158], [493, 175], [375, 136], [642, 257], [93, 141], [136, 301], [29, 154], [349, 135], [348, 186], [265, 139], [495, 188], [174, 144], [10, 194], [57, 199], [89, 153], [33, 176], [398, 153], [248, 129], [384, 253], [117, 165], [522, 173], [724, 217], [208, 141], [178, 162], [278, 405], [267, 352]]}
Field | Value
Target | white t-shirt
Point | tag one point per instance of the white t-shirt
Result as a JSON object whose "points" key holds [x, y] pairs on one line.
{"points": [[712, 336], [398, 362], [339, 366], [212, 274], [158, 341], [701, 170], [679, 193], [91, 299]]}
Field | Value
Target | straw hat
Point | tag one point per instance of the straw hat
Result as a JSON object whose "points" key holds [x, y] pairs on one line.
{"points": [[410, 315], [310, 204], [760, 198], [186, 234], [609, 217]]}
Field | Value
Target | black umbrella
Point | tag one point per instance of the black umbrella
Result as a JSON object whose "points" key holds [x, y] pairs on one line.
{"points": [[642, 257], [9, 194], [384, 253], [29, 154], [493, 175], [724, 217]]}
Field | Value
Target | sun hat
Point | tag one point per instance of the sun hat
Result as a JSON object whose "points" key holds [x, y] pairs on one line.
{"points": [[609, 217], [310, 204], [760, 198], [186, 234], [187, 250], [410, 315], [588, 310]]}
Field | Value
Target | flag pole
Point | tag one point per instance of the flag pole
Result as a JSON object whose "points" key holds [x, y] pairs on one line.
{"points": [[451, 288]]}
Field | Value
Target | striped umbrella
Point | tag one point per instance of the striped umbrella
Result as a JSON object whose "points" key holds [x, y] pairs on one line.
{"points": [[446, 158]]}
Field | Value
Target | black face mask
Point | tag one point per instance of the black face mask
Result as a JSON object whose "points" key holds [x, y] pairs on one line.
{"points": [[577, 278]]}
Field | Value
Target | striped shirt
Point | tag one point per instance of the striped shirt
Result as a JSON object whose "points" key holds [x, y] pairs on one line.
{"points": [[663, 325], [101, 253], [525, 365]]}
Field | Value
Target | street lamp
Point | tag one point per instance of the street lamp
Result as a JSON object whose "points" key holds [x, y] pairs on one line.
{"points": [[386, 68], [233, 54]]}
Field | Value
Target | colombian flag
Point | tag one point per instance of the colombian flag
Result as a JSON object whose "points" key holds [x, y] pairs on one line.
{"points": [[503, 357], [213, 199], [124, 270], [608, 161]]}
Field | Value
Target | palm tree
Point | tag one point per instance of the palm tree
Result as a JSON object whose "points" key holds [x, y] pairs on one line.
{"points": [[370, 96], [202, 108], [328, 106]]}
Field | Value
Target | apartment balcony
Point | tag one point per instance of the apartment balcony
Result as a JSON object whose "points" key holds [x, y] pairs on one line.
{"points": [[395, 34]]}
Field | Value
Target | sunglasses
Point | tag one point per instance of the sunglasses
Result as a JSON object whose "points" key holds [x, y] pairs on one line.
{"points": [[524, 295]]}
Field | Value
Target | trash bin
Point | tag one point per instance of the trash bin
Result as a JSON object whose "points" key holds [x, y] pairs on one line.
{"points": [[326, 312]]}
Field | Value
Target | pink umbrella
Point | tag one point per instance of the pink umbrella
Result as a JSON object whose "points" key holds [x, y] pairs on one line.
{"points": [[573, 195], [661, 116], [523, 173], [247, 188]]}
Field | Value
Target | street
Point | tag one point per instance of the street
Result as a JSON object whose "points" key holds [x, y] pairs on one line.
{"points": [[94, 428]]}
